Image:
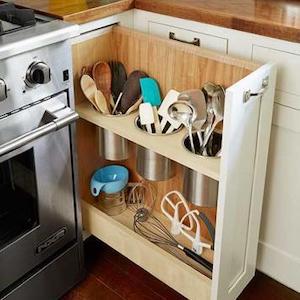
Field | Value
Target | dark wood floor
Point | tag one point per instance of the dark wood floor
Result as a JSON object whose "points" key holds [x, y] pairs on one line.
{"points": [[112, 276]]}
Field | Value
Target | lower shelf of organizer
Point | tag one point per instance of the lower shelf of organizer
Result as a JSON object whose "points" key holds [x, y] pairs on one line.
{"points": [[174, 269]]}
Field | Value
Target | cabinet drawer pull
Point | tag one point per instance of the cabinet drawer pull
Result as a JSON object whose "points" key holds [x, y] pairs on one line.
{"points": [[248, 94], [195, 42]]}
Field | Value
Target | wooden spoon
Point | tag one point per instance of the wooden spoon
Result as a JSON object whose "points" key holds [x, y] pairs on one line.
{"points": [[88, 87], [102, 76], [101, 102]]}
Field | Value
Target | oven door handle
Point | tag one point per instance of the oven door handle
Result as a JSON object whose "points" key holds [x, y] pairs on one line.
{"points": [[54, 125]]}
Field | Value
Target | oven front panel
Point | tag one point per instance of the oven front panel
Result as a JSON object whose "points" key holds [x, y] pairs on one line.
{"points": [[37, 204]]}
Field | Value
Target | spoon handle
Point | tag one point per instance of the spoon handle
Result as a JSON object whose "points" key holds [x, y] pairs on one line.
{"points": [[191, 139], [207, 136]]}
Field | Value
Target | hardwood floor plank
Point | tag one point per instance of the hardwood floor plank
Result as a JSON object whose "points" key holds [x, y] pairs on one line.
{"points": [[112, 276]]}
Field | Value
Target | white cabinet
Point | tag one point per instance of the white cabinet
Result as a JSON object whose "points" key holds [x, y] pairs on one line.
{"points": [[288, 64], [241, 174], [188, 36]]}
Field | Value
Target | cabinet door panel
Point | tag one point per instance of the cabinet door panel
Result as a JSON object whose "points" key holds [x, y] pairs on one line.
{"points": [[245, 145]]}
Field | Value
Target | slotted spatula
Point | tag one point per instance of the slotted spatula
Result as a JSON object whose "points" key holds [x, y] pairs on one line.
{"points": [[119, 77]]}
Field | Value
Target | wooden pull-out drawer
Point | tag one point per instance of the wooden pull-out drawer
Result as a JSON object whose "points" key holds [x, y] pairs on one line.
{"points": [[240, 171]]}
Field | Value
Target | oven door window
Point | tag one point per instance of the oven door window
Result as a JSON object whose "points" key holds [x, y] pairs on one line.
{"points": [[18, 197]]}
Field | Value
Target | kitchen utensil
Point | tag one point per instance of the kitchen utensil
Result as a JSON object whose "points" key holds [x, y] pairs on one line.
{"points": [[119, 77], [184, 112], [153, 166], [194, 237], [154, 231], [142, 195], [112, 204], [134, 107], [197, 98], [209, 89], [150, 91], [170, 98], [146, 115], [211, 149], [218, 102], [88, 87], [131, 92], [157, 125], [210, 227], [173, 200], [112, 146], [110, 179], [101, 102], [103, 77], [141, 127], [200, 189]]}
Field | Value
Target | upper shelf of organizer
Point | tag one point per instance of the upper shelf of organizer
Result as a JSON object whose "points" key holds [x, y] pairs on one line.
{"points": [[174, 65]]}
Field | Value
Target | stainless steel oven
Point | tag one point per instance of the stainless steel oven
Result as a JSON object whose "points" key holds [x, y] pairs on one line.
{"points": [[40, 221], [37, 215]]}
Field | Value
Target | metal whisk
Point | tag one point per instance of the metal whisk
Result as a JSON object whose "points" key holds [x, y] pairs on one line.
{"points": [[154, 231]]}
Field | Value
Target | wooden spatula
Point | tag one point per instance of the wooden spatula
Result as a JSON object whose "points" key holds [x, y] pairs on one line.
{"points": [[101, 102], [102, 76], [88, 87]]}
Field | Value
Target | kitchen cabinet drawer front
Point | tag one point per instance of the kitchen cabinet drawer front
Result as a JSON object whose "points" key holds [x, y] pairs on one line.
{"points": [[288, 87], [206, 41]]}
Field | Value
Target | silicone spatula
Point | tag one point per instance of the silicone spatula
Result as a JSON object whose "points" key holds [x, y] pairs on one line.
{"points": [[146, 115], [150, 91], [170, 98]]}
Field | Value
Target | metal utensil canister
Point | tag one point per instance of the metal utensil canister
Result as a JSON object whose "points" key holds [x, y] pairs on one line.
{"points": [[200, 189], [153, 166], [112, 146]]}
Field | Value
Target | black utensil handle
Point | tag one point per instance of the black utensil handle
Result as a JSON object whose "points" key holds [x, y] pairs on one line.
{"points": [[198, 258]]}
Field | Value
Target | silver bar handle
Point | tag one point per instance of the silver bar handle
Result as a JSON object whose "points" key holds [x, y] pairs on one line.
{"points": [[248, 94], [195, 41], [39, 132]]}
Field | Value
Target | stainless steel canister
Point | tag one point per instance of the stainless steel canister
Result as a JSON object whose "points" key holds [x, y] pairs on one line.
{"points": [[153, 166], [112, 146], [200, 189]]}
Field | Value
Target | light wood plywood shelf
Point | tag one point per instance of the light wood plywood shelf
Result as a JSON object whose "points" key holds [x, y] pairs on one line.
{"points": [[118, 233], [170, 146]]}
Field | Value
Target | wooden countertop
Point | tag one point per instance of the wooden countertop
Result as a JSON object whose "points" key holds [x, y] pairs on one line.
{"points": [[275, 18], [78, 11]]}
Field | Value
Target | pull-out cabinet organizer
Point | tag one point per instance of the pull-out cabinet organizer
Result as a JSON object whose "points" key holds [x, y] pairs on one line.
{"points": [[240, 171]]}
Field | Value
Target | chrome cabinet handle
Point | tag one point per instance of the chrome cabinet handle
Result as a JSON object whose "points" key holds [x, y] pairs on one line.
{"points": [[195, 42], [39, 132], [264, 86]]}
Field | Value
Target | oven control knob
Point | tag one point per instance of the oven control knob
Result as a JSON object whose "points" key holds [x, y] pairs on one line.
{"points": [[38, 73], [3, 90]]}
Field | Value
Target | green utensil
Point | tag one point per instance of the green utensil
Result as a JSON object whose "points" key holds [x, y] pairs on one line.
{"points": [[150, 91]]}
